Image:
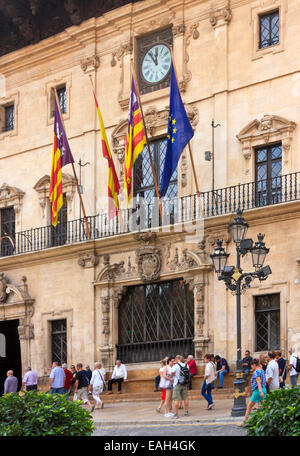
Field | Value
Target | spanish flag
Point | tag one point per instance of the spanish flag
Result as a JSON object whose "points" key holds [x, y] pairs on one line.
{"points": [[135, 140], [113, 181], [61, 156]]}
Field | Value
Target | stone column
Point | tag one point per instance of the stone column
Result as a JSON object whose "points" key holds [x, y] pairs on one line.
{"points": [[106, 347]]}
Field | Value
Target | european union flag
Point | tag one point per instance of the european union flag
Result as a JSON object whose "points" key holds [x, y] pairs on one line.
{"points": [[180, 133]]}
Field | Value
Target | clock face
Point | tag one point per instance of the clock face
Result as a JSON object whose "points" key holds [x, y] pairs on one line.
{"points": [[156, 63]]}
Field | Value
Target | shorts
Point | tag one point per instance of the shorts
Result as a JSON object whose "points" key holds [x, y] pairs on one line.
{"points": [[82, 394], [180, 392], [256, 396], [163, 394]]}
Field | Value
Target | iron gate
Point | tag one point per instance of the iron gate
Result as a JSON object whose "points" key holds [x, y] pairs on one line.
{"points": [[156, 320]]}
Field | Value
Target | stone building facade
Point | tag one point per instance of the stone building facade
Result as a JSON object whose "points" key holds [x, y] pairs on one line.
{"points": [[65, 294]]}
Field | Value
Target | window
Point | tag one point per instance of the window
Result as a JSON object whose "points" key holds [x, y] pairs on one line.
{"points": [[267, 322], [59, 340], [9, 121], [268, 167], [59, 232], [2, 346], [8, 227], [143, 178], [268, 29], [62, 97]]}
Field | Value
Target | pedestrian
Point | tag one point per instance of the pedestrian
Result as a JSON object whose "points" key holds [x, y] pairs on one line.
{"points": [[162, 383], [193, 369], [30, 379], [181, 374], [246, 364], [158, 377], [168, 385], [119, 375], [292, 367], [73, 380], [282, 368], [11, 383], [97, 385], [213, 360], [68, 379], [57, 379], [272, 372], [81, 386], [209, 378], [258, 385], [88, 371], [222, 369]]}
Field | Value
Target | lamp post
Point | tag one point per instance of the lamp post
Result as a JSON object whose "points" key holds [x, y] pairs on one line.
{"points": [[237, 282]]}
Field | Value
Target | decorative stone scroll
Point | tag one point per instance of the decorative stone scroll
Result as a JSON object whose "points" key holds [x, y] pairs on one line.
{"points": [[89, 64], [87, 260], [220, 16]]}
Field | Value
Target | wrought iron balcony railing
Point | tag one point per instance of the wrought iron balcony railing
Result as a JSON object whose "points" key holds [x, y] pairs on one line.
{"points": [[178, 210]]}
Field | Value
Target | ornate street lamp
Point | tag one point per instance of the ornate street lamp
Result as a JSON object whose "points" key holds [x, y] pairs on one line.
{"points": [[237, 281]]}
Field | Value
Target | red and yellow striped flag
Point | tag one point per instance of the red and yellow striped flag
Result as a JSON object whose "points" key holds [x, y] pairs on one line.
{"points": [[135, 140], [61, 156], [113, 181]]}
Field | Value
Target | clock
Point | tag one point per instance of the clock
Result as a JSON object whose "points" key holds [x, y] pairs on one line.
{"points": [[156, 63], [153, 60]]}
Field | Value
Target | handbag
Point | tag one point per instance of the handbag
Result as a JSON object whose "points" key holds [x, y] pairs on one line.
{"points": [[103, 381]]}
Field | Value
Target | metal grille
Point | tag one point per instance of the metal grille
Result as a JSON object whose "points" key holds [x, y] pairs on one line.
{"points": [[59, 340], [9, 118], [269, 29], [144, 183], [268, 175], [154, 320], [62, 97], [267, 322], [59, 233], [8, 226]]}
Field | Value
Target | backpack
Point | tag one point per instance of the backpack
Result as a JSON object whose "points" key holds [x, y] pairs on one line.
{"points": [[184, 374], [297, 367], [84, 379]]}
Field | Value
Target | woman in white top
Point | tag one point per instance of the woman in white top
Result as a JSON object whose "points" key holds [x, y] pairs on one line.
{"points": [[163, 363], [97, 384], [167, 383], [209, 377]]}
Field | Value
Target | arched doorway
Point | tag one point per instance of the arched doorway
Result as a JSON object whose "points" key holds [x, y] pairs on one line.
{"points": [[10, 352], [156, 320]]}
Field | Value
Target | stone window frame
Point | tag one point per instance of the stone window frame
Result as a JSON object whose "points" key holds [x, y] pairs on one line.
{"points": [[281, 288], [13, 99], [57, 83], [12, 197], [47, 318], [269, 130], [42, 188], [260, 8]]}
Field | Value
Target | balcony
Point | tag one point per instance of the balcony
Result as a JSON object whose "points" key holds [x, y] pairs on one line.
{"points": [[178, 210]]}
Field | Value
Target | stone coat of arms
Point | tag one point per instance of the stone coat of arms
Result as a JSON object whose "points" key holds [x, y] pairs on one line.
{"points": [[149, 263]]}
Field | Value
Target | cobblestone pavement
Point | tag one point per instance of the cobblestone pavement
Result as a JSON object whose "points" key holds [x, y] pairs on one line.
{"points": [[186, 430]]}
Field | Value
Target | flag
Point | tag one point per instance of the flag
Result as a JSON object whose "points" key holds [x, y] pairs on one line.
{"points": [[61, 156], [180, 133], [135, 140], [113, 181]]}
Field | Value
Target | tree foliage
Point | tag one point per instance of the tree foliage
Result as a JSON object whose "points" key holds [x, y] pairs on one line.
{"points": [[39, 414]]}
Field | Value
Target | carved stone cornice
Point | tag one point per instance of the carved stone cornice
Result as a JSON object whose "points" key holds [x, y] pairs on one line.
{"points": [[43, 185], [11, 196]]}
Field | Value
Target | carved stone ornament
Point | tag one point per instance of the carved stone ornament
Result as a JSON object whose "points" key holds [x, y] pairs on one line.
{"points": [[269, 129], [3, 288], [149, 263], [90, 63], [11, 196], [220, 16], [43, 185], [88, 260]]}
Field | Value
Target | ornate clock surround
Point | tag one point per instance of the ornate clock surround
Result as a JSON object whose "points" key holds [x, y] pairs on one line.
{"points": [[144, 43]]}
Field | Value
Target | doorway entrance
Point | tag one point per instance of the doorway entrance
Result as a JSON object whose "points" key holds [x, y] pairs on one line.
{"points": [[10, 352]]}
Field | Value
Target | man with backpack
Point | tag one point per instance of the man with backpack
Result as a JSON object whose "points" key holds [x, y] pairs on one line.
{"points": [[81, 386], [180, 372], [294, 367], [222, 369]]}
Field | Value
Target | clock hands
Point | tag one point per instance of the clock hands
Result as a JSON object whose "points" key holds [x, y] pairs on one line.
{"points": [[154, 58]]}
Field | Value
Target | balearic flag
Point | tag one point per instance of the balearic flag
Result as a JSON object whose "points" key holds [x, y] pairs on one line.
{"points": [[113, 181], [180, 133], [135, 140], [61, 156]]}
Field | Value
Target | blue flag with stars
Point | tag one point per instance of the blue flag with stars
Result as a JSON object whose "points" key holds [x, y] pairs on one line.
{"points": [[180, 133]]}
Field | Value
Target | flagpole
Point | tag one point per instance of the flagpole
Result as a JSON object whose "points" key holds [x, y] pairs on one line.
{"points": [[148, 146], [189, 145], [76, 180], [118, 207]]}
